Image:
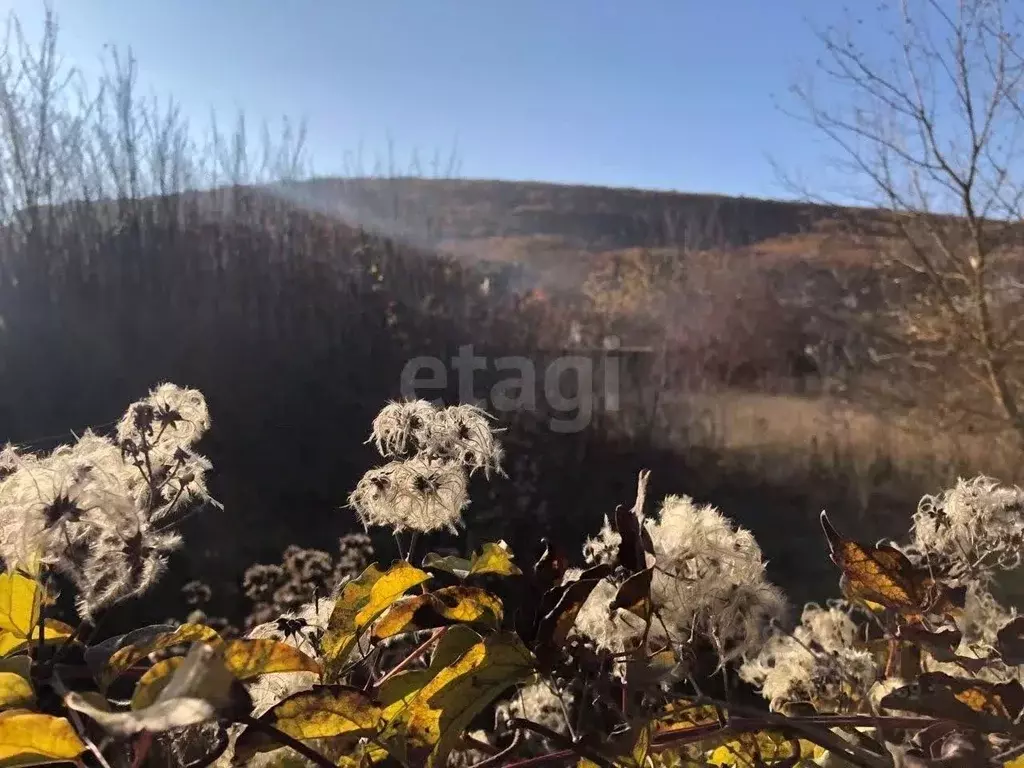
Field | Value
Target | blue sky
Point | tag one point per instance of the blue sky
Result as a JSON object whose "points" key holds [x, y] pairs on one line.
{"points": [[674, 94]]}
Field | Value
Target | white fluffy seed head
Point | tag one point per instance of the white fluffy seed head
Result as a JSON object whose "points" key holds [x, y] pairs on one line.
{"points": [[458, 434], [603, 548], [53, 503], [426, 487], [710, 579], [614, 631], [708, 582], [169, 418], [818, 664], [402, 427], [91, 510], [973, 529], [412, 495], [539, 702]]}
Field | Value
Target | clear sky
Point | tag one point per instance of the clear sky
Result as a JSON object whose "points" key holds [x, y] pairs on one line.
{"points": [[674, 94]]}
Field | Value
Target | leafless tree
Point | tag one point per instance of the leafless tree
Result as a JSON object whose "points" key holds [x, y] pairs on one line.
{"points": [[930, 130]]}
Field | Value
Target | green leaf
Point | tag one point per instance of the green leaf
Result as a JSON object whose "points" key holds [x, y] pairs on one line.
{"points": [[247, 659], [130, 655], [434, 719], [456, 566], [470, 605], [324, 712], [30, 738], [493, 558], [361, 601]]}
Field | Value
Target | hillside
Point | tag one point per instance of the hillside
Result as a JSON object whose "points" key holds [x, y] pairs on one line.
{"points": [[558, 232]]}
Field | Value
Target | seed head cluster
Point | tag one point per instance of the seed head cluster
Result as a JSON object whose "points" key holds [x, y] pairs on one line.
{"points": [[434, 451], [102, 511], [818, 663], [708, 582]]}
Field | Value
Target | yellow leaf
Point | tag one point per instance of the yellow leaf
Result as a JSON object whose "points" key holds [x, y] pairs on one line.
{"points": [[127, 657], [9, 643], [199, 687], [15, 688], [361, 601], [496, 559], [29, 738], [251, 658], [754, 750], [470, 605], [396, 692], [642, 747], [53, 631], [882, 575], [1017, 762], [401, 617], [154, 681], [364, 756], [19, 604], [435, 718], [324, 712], [327, 710]]}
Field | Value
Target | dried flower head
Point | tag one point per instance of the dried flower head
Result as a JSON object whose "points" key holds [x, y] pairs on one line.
{"points": [[425, 488], [355, 553], [98, 510], [412, 495], [464, 758], [402, 428], [710, 580], [122, 563], [168, 419], [50, 505], [604, 547], [459, 434], [540, 703], [971, 530], [818, 663], [463, 434], [614, 631]]}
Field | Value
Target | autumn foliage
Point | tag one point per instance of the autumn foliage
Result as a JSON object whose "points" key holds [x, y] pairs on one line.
{"points": [[649, 653]]}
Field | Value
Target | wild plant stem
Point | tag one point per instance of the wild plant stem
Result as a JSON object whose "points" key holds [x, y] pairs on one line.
{"points": [[415, 654], [556, 738], [495, 760], [61, 690], [283, 738]]}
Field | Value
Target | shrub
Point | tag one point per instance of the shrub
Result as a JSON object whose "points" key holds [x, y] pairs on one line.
{"points": [[644, 655]]}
